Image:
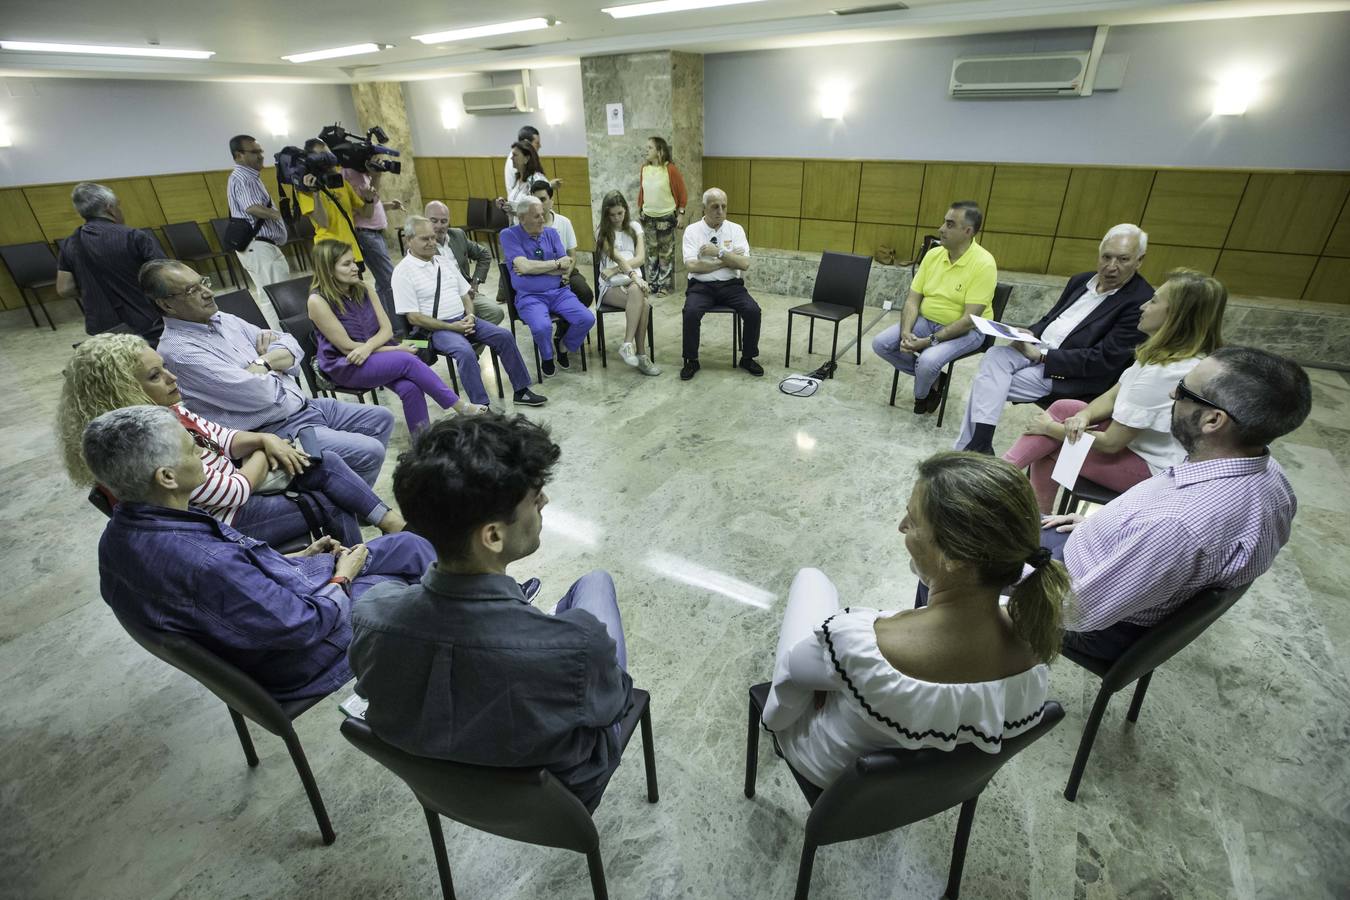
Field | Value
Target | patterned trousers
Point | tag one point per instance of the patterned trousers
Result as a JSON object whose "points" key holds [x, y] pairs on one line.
{"points": [[660, 238]]}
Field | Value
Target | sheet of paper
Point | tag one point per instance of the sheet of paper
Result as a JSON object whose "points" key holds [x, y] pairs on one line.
{"points": [[1071, 458], [999, 330], [614, 117]]}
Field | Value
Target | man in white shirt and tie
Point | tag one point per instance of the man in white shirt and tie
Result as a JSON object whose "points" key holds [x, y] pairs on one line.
{"points": [[716, 253], [1090, 335]]}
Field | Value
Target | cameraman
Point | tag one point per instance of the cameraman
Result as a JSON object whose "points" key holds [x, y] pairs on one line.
{"points": [[331, 209], [370, 223], [248, 199]]}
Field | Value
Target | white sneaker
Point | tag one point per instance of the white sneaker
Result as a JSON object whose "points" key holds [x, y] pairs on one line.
{"points": [[628, 351], [646, 366]]}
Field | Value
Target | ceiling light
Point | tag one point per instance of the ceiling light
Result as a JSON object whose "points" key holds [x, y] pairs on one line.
{"points": [[38, 47], [353, 50], [658, 7], [477, 31], [1236, 91]]}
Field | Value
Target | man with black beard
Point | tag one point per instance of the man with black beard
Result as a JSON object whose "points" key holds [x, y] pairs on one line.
{"points": [[1216, 520]]}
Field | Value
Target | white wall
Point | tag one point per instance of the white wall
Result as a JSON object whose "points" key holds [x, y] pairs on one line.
{"points": [[764, 103], [66, 129], [493, 135]]}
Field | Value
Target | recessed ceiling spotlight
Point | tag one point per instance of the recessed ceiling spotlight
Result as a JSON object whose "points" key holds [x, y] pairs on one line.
{"points": [[97, 50]]}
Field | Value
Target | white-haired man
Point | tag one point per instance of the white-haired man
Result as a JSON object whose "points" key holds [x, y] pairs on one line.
{"points": [[1089, 334], [716, 254]]}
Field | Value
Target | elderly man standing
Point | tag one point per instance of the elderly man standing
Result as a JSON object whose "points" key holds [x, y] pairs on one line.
{"points": [[244, 377], [955, 281], [716, 254], [249, 200], [431, 292], [540, 269], [99, 263], [283, 620], [1090, 335], [454, 244]]}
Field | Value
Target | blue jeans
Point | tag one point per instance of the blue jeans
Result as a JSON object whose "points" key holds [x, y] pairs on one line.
{"points": [[594, 592], [465, 358], [403, 557], [376, 254], [534, 310], [354, 431], [343, 499], [927, 364]]}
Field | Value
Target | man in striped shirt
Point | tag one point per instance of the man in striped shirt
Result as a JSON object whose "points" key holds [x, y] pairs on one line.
{"points": [[248, 199], [1216, 520]]}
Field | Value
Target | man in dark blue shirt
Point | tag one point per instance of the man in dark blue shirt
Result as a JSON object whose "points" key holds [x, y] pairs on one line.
{"points": [[99, 263], [462, 667], [283, 620]]}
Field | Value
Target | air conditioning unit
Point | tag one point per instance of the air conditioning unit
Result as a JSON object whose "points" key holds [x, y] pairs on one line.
{"points": [[497, 101], [1027, 75]]}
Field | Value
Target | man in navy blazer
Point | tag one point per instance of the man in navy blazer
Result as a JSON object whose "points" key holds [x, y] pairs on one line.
{"points": [[1089, 339]]}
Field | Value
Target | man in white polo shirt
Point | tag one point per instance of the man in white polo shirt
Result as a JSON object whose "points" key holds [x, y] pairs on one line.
{"points": [[716, 252], [430, 292]]}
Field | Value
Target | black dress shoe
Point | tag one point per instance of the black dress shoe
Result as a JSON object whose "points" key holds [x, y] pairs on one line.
{"points": [[921, 405], [527, 397], [934, 398], [690, 367], [563, 361], [751, 366], [548, 368]]}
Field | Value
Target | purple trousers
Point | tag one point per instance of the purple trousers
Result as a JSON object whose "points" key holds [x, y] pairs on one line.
{"points": [[534, 310], [405, 375]]}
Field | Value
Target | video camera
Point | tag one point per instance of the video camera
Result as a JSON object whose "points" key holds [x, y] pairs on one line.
{"points": [[358, 153], [293, 164]]}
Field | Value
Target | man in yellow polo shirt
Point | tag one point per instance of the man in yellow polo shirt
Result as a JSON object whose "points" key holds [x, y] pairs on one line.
{"points": [[329, 222], [955, 281]]}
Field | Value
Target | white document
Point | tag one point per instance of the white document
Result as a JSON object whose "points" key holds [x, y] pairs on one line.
{"points": [[999, 330], [614, 117], [1071, 458]]}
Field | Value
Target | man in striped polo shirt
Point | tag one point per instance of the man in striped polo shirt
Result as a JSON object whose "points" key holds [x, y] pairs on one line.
{"points": [[263, 259]]}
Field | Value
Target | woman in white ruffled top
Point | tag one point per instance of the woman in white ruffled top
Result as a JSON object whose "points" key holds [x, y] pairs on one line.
{"points": [[960, 670]]}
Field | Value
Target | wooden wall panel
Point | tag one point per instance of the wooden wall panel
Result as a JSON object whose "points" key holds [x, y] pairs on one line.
{"points": [[485, 175], [183, 198], [576, 175], [1193, 209], [1026, 200], [1069, 256], [830, 190], [775, 187], [1163, 258], [779, 233], [18, 225], [733, 177], [945, 183], [1097, 199], [582, 223], [1264, 274], [1338, 244], [50, 204], [889, 192], [1330, 282], [1018, 252], [454, 178], [819, 235], [459, 212], [217, 185], [1288, 213], [867, 236], [139, 204], [427, 170]]}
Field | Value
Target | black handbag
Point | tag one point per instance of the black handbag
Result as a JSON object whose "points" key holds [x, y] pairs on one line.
{"points": [[428, 355]]}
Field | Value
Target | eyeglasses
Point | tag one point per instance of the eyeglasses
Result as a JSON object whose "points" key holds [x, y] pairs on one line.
{"points": [[1183, 391], [202, 287]]}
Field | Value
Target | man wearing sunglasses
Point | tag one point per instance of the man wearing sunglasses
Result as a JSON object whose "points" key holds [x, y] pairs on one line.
{"points": [[1216, 520]]}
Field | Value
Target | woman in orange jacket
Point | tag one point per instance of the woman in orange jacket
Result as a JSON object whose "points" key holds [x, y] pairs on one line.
{"points": [[661, 201]]}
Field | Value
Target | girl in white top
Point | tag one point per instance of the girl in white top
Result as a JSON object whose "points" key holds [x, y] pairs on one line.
{"points": [[1133, 420], [960, 670], [620, 253]]}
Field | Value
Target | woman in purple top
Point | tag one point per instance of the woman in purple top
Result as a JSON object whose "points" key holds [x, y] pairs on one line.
{"points": [[356, 342]]}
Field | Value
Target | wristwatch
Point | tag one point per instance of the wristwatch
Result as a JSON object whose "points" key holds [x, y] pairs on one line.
{"points": [[934, 340], [262, 361], [721, 252], [341, 581]]}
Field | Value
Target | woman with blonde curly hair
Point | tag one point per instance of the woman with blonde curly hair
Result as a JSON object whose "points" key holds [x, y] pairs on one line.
{"points": [[112, 371]]}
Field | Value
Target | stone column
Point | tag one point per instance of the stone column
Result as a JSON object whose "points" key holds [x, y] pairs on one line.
{"points": [[662, 95], [382, 103]]}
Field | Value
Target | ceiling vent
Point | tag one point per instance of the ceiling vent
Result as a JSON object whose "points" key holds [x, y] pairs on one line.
{"points": [[1027, 75]]}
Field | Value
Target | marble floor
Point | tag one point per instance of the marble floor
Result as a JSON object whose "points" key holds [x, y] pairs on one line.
{"points": [[122, 778]]}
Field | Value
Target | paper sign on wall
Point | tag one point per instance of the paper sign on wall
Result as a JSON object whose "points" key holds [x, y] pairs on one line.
{"points": [[614, 116]]}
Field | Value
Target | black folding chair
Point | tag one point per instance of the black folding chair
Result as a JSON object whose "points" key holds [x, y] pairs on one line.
{"points": [[302, 328], [290, 298], [513, 317], [840, 292], [299, 240], [189, 245], [485, 217], [888, 789], [241, 303], [528, 805], [1001, 294], [245, 698], [1157, 646], [33, 267], [601, 308], [1085, 490]]}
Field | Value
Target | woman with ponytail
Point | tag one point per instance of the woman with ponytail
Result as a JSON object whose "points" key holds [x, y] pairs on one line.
{"points": [[960, 670]]}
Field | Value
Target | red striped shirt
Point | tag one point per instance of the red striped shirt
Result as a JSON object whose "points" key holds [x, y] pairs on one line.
{"points": [[226, 488]]}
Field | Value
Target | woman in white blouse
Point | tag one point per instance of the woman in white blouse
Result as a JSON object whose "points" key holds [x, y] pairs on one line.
{"points": [[618, 241], [1132, 421], [960, 670]]}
